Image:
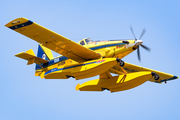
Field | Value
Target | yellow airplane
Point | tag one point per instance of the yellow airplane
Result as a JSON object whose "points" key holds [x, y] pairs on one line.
{"points": [[86, 59]]}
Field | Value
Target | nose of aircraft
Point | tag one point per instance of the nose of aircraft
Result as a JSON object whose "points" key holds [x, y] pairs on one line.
{"points": [[138, 42]]}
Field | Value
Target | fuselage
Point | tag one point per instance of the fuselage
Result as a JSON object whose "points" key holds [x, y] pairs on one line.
{"points": [[107, 49]]}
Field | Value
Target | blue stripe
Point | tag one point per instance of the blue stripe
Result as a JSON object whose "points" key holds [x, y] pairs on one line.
{"points": [[51, 62], [21, 25], [55, 69], [103, 46], [175, 77]]}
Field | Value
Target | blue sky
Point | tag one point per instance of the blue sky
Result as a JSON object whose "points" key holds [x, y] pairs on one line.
{"points": [[26, 97]]}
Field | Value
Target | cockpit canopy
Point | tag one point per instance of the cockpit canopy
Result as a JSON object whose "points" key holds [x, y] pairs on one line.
{"points": [[85, 41]]}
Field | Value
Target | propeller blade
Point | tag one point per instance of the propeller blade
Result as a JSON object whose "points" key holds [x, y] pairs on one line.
{"points": [[144, 30], [138, 49], [138, 53], [132, 32], [145, 47]]}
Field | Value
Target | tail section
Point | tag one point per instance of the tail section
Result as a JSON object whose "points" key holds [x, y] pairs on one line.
{"points": [[43, 53], [43, 56], [30, 57]]}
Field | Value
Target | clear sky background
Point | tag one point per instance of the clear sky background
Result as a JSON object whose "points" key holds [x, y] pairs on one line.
{"points": [[26, 97]]}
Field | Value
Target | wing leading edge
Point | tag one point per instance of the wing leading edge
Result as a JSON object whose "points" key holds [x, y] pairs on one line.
{"points": [[52, 40]]}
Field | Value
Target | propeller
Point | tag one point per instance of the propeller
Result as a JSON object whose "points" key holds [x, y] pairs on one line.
{"points": [[139, 42]]}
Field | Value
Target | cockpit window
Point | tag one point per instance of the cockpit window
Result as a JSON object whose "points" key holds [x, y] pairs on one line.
{"points": [[88, 40], [82, 42]]}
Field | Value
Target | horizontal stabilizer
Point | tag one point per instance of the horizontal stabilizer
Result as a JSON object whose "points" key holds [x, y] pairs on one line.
{"points": [[30, 56]]}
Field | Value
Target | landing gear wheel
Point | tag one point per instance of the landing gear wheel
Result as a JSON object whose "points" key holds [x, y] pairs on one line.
{"points": [[121, 63], [156, 76]]}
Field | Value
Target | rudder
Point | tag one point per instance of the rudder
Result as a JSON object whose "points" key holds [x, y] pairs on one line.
{"points": [[44, 53]]}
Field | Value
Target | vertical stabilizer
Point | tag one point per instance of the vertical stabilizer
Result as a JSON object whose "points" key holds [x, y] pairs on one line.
{"points": [[48, 52], [43, 53]]}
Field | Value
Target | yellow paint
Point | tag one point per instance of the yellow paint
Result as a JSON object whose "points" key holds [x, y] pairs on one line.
{"points": [[79, 71], [116, 83], [31, 61], [48, 52], [83, 62], [16, 22], [31, 52], [38, 72], [55, 41], [130, 68], [42, 75], [77, 87], [31, 57]]}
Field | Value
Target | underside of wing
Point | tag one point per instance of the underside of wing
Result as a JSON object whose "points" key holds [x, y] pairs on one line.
{"points": [[130, 68], [52, 40]]}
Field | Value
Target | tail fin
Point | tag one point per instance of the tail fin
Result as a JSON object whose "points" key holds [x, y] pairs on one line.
{"points": [[44, 53]]}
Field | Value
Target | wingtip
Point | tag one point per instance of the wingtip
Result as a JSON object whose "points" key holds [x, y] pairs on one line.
{"points": [[175, 77], [16, 21]]}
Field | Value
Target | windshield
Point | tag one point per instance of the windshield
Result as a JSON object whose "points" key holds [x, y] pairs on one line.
{"points": [[82, 42], [88, 40]]}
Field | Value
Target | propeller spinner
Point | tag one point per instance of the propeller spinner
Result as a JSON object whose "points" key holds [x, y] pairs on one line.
{"points": [[139, 42]]}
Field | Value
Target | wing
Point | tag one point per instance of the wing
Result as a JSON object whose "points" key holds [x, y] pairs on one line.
{"points": [[130, 68], [52, 40]]}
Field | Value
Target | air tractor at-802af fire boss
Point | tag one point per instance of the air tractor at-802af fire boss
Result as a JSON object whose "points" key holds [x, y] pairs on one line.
{"points": [[86, 59]]}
